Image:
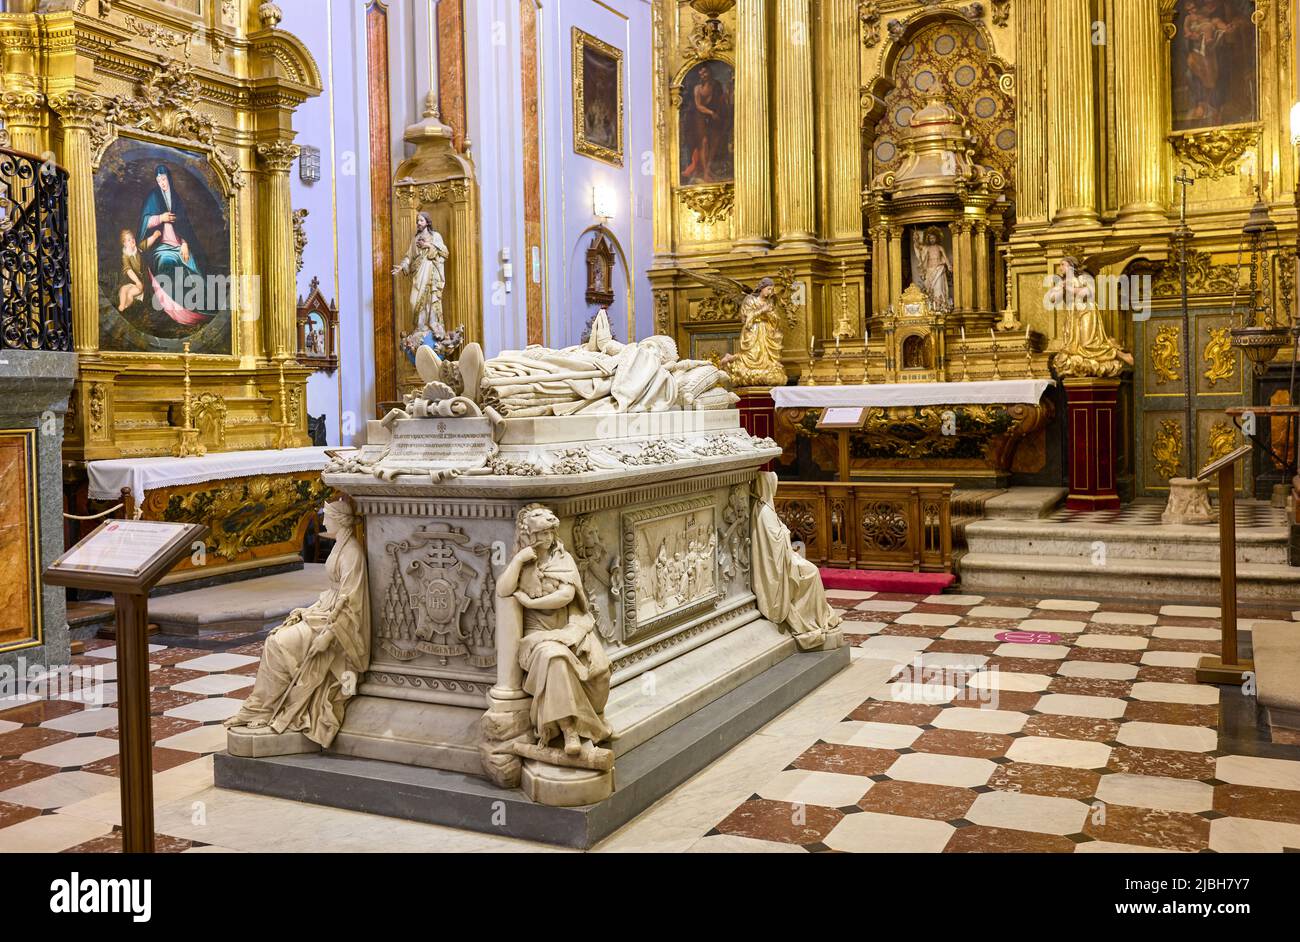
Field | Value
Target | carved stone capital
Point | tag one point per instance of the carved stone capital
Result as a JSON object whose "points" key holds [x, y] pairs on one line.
{"points": [[278, 156]]}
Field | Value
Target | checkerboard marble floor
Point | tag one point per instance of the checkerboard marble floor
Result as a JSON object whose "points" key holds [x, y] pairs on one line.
{"points": [[963, 723]]}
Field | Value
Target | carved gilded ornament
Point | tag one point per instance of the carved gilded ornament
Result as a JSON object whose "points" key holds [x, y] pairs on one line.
{"points": [[1168, 11], [1223, 440], [1203, 276], [707, 38], [278, 156], [1215, 152], [159, 37], [21, 107], [1166, 354], [252, 512], [663, 312], [869, 17], [163, 105], [448, 191], [1218, 353], [98, 410], [299, 235], [711, 204], [1167, 448], [1001, 13]]}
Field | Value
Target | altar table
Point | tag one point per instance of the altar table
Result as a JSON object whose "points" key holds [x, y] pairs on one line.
{"points": [[885, 395], [257, 505]]}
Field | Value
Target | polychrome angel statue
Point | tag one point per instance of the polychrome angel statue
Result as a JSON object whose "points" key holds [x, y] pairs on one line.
{"points": [[1084, 348], [758, 362]]}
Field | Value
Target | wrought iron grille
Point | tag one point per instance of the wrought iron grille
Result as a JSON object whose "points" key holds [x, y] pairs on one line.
{"points": [[35, 282]]}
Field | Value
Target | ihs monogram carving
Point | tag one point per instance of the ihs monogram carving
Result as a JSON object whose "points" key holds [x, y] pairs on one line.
{"points": [[440, 598]]}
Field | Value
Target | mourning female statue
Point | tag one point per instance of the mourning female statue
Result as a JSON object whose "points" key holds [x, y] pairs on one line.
{"points": [[788, 587], [426, 265], [566, 671], [311, 663], [1084, 347]]}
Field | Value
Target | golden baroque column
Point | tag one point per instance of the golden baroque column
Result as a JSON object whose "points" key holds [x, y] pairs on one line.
{"points": [[1140, 62], [796, 209], [753, 140], [1071, 98], [77, 111], [278, 263], [841, 157], [1031, 111]]}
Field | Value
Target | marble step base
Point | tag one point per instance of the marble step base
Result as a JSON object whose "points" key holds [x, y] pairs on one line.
{"points": [[1074, 577], [251, 605], [455, 799], [1027, 538]]}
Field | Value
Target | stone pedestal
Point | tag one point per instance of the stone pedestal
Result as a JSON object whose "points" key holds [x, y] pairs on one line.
{"points": [[34, 387], [1189, 503], [1092, 420]]}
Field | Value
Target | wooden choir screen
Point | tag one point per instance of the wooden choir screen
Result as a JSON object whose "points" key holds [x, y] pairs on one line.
{"points": [[871, 526]]}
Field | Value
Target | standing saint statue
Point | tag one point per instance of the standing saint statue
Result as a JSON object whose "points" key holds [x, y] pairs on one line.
{"points": [[931, 268], [1084, 347], [311, 663], [426, 265], [758, 360], [566, 671]]}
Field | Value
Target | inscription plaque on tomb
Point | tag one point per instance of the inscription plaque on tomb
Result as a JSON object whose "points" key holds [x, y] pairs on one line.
{"points": [[439, 444]]}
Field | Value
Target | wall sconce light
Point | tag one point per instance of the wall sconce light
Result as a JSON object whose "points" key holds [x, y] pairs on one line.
{"points": [[309, 164], [604, 201]]}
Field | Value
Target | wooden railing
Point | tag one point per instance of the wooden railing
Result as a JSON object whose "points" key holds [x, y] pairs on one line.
{"points": [[870, 526]]}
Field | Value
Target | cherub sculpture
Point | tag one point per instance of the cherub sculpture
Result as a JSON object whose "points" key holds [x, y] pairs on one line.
{"points": [[758, 362]]}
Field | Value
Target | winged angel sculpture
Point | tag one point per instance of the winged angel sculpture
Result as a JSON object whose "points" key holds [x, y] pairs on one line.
{"points": [[762, 310], [1084, 347]]}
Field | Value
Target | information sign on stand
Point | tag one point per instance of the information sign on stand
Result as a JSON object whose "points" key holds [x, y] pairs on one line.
{"points": [[128, 558], [1229, 668]]}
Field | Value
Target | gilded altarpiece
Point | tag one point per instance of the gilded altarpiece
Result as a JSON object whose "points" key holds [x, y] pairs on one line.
{"points": [[127, 94]]}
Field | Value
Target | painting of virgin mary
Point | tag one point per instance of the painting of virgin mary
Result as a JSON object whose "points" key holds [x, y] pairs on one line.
{"points": [[164, 250]]}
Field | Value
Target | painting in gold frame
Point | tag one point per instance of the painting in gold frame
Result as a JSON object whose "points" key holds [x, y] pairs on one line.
{"points": [[597, 98], [20, 537]]}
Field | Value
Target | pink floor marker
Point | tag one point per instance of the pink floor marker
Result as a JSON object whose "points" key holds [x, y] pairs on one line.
{"points": [[1027, 637]]}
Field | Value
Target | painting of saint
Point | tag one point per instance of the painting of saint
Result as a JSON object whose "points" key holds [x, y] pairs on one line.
{"points": [[708, 124], [598, 98], [1213, 65], [164, 251]]}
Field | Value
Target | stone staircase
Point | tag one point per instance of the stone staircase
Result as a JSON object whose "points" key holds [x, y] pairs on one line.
{"points": [[1042, 556]]}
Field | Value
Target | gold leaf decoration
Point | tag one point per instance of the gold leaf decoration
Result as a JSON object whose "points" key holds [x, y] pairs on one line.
{"points": [[1167, 448], [1214, 153], [1218, 353], [1223, 440], [1166, 357], [711, 204]]}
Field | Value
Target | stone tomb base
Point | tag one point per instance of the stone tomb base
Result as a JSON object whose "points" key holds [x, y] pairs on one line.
{"points": [[642, 776]]}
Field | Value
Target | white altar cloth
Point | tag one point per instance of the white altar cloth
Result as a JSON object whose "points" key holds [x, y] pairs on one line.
{"points": [[884, 395], [107, 478]]}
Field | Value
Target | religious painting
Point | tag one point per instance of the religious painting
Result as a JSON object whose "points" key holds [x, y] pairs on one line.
{"points": [[163, 230], [597, 98], [674, 567], [707, 125], [317, 325], [20, 602], [1214, 64]]}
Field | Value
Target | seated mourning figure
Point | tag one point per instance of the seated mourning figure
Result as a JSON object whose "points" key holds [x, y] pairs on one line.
{"points": [[604, 376], [311, 663], [788, 587], [565, 668]]}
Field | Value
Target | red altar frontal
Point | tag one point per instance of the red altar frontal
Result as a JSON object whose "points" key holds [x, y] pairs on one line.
{"points": [[1092, 422], [757, 413]]}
